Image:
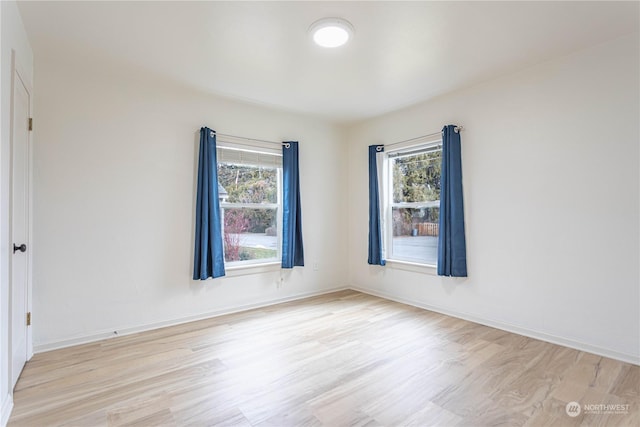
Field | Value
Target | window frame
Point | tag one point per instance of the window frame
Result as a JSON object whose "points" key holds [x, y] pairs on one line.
{"points": [[255, 149], [414, 147]]}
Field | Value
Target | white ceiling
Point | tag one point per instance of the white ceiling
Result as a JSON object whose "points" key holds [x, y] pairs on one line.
{"points": [[402, 52]]}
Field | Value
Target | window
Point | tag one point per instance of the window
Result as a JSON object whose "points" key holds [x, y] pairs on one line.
{"points": [[412, 203], [250, 191]]}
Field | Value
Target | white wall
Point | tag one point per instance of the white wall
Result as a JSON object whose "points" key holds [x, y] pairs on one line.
{"points": [[550, 165], [13, 38], [115, 166]]}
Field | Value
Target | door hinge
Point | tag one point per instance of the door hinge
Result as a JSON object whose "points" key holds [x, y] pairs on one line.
{"points": [[30, 123], [29, 318]]}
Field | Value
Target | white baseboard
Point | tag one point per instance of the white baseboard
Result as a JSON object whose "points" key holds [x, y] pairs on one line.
{"points": [[98, 336], [566, 342], [5, 410]]}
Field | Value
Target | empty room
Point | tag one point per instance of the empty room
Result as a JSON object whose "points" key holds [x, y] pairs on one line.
{"points": [[367, 213]]}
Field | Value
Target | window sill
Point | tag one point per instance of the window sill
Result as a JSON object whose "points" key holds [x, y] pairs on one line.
{"points": [[413, 266], [242, 270]]}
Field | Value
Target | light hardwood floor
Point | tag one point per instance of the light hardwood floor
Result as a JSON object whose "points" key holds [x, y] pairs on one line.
{"points": [[344, 358]]}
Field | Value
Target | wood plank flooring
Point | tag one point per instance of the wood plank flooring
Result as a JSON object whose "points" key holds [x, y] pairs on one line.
{"points": [[340, 359]]}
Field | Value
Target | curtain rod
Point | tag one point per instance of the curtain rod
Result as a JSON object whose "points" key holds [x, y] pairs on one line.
{"points": [[285, 144], [457, 129]]}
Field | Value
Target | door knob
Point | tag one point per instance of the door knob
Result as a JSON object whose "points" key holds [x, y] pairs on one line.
{"points": [[21, 248]]}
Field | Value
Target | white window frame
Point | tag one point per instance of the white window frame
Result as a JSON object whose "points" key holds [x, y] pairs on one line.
{"points": [[277, 206], [432, 144]]}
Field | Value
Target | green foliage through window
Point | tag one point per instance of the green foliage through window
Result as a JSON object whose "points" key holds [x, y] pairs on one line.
{"points": [[249, 184], [416, 178]]}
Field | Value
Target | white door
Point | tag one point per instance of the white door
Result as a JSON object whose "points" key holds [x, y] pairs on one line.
{"points": [[19, 226]]}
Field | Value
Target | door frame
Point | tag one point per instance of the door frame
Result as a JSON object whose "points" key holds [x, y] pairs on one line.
{"points": [[17, 72]]}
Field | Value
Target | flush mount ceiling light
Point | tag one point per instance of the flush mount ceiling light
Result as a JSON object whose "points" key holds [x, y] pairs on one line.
{"points": [[331, 32]]}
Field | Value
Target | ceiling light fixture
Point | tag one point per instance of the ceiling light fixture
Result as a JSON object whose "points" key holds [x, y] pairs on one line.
{"points": [[331, 32]]}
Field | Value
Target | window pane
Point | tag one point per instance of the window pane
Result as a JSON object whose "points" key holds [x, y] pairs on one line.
{"points": [[416, 177], [247, 184], [415, 235], [249, 234], [415, 195]]}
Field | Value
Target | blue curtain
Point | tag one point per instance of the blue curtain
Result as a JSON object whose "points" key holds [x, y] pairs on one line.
{"points": [[375, 228], [452, 252], [208, 260], [292, 250]]}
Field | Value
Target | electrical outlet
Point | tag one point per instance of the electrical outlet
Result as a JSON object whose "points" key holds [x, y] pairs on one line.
{"points": [[316, 266]]}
